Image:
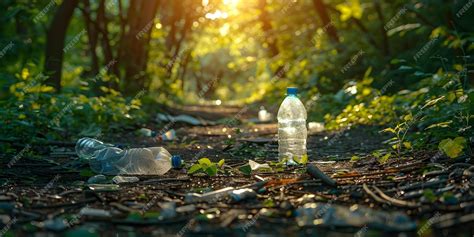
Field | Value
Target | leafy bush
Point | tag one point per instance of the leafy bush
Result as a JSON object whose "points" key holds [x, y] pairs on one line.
{"points": [[34, 111]]}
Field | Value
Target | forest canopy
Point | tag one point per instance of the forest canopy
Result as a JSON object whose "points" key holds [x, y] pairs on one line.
{"points": [[356, 62]]}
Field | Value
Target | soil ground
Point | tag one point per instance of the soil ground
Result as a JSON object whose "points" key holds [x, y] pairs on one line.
{"points": [[51, 184]]}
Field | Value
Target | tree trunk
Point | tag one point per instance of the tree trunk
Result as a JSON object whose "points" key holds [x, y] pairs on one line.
{"points": [[141, 21], [386, 45], [267, 28], [92, 35], [55, 43], [178, 43], [322, 11], [102, 23]]}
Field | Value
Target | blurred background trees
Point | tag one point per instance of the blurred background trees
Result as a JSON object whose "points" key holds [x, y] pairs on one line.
{"points": [[342, 54]]}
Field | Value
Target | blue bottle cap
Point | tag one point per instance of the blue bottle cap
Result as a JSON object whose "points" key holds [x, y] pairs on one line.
{"points": [[292, 91], [176, 161]]}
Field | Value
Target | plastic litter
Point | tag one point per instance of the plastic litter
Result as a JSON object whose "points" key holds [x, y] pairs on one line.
{"points": [[56, 224], [176, 161], [97, 179], [292, 132], [125, 179], [329, 215], [264, 115], [106, 159], [242, 194], [186, 208], [170, 135], [256, 166], [104, 187], [183, 118], [168, 210], [209, 197], [315, 127], [87, 211], [166, 136], [145, 132]]}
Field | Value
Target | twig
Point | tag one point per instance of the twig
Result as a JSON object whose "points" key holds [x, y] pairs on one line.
{"points": [[315, 172], [394, 201], [372, 194]]}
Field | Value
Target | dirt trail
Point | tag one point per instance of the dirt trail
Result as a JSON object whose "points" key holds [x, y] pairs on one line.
{"points": [[55, 187]]}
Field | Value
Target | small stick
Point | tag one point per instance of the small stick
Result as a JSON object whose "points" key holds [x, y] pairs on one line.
{"points": [[315, 172], [394, 201], [372, 194]]}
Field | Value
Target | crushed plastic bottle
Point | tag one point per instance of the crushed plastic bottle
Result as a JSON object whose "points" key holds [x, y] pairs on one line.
{"points": [[125, 179], [106, 159], [97, 179], [242, 194], [209, 197], [169, 135], [292, 131], [256, 166]]}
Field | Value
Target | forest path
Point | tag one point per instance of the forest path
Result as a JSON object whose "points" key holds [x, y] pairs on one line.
{"points": [[55, 186]]}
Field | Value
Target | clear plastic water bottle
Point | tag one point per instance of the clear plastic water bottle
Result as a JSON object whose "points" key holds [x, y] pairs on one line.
{"points": [[86, 147], [292, 132], [107, 159]]}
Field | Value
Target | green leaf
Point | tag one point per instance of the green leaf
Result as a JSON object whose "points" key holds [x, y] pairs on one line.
{"points": [[390, 130], [303, 160], [194, 168], [433, 102], [440, 125], [205, 161], [221, 163], [245, 169], [460, 140], [452, 148], [429, 195], [151, 214], [384, 158], [355, 158], [268, 203], [211, 170], [135, 216]]}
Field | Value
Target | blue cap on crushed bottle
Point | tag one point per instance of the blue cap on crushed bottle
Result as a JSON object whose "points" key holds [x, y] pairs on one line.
{"points": [[291, 91], [176, 161]]}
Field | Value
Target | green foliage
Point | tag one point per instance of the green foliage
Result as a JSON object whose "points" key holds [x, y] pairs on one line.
{"points": [[452, 147], [411, 78], [303, 160], [245, 169], [206, 166], [430, 112], [35, 111], [429, 195], [366, 106]]}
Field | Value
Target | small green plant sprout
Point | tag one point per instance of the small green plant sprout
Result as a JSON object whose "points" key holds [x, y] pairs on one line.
{"points": [[400, 131], [355, 158], [382, 158], [453, 147], [301, 160], [206, 166]]}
